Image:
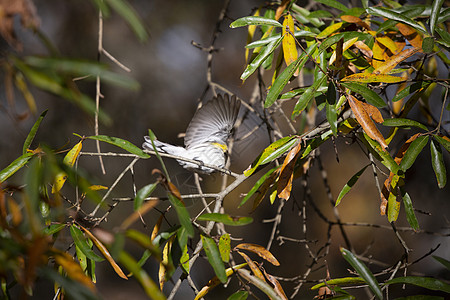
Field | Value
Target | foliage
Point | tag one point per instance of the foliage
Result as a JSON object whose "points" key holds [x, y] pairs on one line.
{"points": [[370, 67]]}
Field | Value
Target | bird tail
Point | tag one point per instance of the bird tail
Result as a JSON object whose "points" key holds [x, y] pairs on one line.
{"points": [[163, 147]]}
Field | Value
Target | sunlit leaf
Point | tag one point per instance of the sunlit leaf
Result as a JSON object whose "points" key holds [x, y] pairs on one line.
{"points": [[443, 140], [262, 42], [386, 158], [437, 161], [80, 242], [290, 53], [363, 271], [32, 133], [394, 60], [261, 251], [255, 20], [255, 188], [225, 219], [392, 15], [368, 78], [260, 284], [400, 122], [260, 58], [369, 95], [435, 11], [284, 185], [214, 258], [253, 266], [329, 30], [411, 34], [340, 282], [348, 186], [273, 151], [307, 96], [124, 144]]}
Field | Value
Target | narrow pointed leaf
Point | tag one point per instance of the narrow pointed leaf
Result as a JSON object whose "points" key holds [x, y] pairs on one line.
{"points": [[239, 295], [32, 133], [348, 186], [413, 151], [415, 87], [124, 144], [214, 258], [400, 122], [425, 282], [369, 95], [15, 166], [124, 9], [392, 15], [363, 271], [225, 247], [290, 53], [260, 58], [262, 42], [443, 261], [255, 20], [226, 219], [393, 207], [256, 187], [443, 140], [394, 60], [80, 242], [409, 209], [183, 214], [437, 161], [435, 11], [143, 193], [307, 96], [367, 78], [340, 282], [260, 284], [333, 3], [261, 251]]}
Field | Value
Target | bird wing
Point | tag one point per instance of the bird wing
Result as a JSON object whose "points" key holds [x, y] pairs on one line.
{"points": [[213, 122]]}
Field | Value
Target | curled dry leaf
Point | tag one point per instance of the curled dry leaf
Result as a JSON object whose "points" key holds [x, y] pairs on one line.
{"points": [[253, 266], [363, 118], [261, 251], [276, 284], [284, 186]]}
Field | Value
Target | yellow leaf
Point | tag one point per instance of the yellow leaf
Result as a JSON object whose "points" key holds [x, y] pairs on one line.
{"points": [[60, 179], [394, 60], [97, 187], [72, 155], [365, 50], [261, 251], [364, 120], [329, 30], [281, 8], [345, 47], [105, 253], [73, 269], [378, 54], [289, 47], [366, 78], [388, 43], [157, 227], [162, 273]]}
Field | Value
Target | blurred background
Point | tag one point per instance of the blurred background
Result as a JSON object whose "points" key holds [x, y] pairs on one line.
{"points": [[172, 77]]}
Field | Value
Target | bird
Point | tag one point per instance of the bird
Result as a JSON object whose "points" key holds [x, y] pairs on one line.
{"points": [[207, 135]]}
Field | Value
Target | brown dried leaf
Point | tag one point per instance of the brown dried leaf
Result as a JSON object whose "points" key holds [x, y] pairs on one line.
{"points": [[157, 227], [276, 284], [364, 120], [14, 209], [411, 35], [284, 185], [373, 112], [255, 269], [394, 60], [364, 49], [261, 251], [105, 253], [355, 20], [73, 269]]}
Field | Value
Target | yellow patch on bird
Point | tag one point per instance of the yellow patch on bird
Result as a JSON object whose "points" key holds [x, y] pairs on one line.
{"points": [[221, 146]]}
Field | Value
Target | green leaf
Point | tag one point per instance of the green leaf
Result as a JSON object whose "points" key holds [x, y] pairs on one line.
{"points": [[124, 144], [410, 90], [410, 215], [425, 282], [437, 161], [332, 117], [225, 247], [213, 255], [386, 158], [369, 95], [363, 271], [124, 9], [444, 142], [225, 219], [182, 213], [254, 20], [340, 282], [392, 15], [412, 152], [239, 295], [54, 228], [149, 286], [443, 261], [348, 186], [81, 243], [15, 166], [260, 58], [400, 122], [307, 96], [435, 11], [32, 133], [143, 193], [78, 68], [428, 44], [334, 4], [257, 185], [273, 151]]}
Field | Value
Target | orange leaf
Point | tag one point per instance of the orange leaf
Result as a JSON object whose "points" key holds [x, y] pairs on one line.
{"points": [[14, 209], [289, 47], [276, 285], [394, 60], [364, 120], [287, 172], [105, 253], [355, 20], [157, 227], [398, 158], [262, 191], [255, 269], [261, 251], [137, 214], [73, 269], [373, 112], [281, 9], [414, 38]]}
